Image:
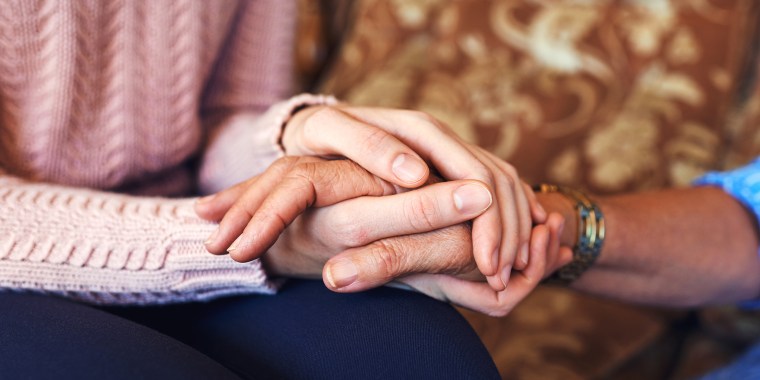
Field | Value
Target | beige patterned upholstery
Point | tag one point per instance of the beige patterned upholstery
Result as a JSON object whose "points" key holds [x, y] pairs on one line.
{"points": [[606, 95]]}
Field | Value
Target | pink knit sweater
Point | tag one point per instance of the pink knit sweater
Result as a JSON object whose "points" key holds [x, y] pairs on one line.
{"points": [[100, 98]]}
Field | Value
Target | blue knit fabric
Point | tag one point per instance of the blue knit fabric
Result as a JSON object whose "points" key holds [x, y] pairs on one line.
{"points": [[744, 185], [747, 367]]}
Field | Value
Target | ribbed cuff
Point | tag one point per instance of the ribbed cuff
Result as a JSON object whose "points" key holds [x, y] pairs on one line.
{"points": [[282, 112]]}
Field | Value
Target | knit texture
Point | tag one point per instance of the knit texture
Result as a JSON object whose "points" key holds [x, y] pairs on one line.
{"points": [[104, 97]]}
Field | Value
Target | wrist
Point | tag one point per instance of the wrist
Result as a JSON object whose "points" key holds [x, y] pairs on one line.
{"points": [[558, 203], [289, 136], [590, 232], [292, 116]]}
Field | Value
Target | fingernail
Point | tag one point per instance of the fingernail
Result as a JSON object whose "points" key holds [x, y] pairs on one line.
{"points": [[408, 169], [205, 199], [234, 244], [341, 273], [505, 273], [212, 237], [524, 253], [472, 198]]}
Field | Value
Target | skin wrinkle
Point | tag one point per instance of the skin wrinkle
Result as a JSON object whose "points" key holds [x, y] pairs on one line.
{"points": [[420, 212]]}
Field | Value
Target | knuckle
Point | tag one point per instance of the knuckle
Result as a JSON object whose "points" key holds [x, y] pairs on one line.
{"points": [[304, 171], [284, 162], [313, 175], [376, 141], [482, 173], [386, 257], [343, 225], [240, 210], [509, 180], [421, 212], [457, 240], [355, 235]]}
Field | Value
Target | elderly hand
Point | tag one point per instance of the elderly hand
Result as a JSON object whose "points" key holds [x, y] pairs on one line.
{"points": [[546, 256], [392, 145]]}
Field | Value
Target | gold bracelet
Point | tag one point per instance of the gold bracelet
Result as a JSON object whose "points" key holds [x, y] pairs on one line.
{"points": [[591, 232]]}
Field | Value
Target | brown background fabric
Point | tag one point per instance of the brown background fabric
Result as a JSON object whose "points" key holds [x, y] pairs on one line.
{"points": [[605, 95]]}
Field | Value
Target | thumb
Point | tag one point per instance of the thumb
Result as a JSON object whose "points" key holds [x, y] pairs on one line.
{"points": [[447, 250]]}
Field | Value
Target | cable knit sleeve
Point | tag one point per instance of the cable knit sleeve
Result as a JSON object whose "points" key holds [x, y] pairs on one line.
{"points": [[112, 249], [118, 96]]}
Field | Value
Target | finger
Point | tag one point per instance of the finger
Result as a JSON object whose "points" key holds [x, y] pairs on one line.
{"points": [[440, 251], [507, 227], [525, 225], [452, 159], [240, 212], [554, 224], [514, 226], [522, 226], [536, 210], [426, 136], [331, 131], [360, 221], [213, 207], [486, 238], [479, 296], [320, 183], [557, 256]]}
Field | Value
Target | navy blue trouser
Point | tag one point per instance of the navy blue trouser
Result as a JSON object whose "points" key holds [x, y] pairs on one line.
{"points": [[303, 332]]}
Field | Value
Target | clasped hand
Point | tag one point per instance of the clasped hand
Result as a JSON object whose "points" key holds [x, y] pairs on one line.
{"points": [[359, 217]]}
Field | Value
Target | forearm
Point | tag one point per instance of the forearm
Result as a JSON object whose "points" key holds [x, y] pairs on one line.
{"points": [[672, 247]]}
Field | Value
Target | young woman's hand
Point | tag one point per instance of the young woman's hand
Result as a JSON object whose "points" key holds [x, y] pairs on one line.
{"points": [[396, 145]]}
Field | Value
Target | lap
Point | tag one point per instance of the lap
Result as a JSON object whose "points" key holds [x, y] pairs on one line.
{"points": [[307, 331], [50, 338]]}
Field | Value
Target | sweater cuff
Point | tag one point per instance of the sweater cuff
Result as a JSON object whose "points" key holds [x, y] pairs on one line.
{"points": [[281, 114], [113, 249], [248, 143]]}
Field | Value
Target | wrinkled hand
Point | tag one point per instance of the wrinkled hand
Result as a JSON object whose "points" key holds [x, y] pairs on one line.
{"points": [[546, 256], [300, 254], [392, 145]]}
